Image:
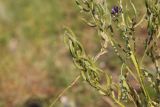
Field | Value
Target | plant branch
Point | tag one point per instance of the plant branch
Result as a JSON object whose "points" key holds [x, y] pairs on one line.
{"points": [[67, 88]]}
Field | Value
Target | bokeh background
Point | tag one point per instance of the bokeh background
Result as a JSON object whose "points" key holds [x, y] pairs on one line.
{"points": [[35, 64]]}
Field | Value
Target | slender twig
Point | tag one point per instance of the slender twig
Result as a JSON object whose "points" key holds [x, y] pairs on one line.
{"points": [[67, 88], [139, 72], [139, 23], [102, 52], [109, 101]]}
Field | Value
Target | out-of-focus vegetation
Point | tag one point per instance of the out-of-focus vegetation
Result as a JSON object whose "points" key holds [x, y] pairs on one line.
{"points": [[34, 61]]}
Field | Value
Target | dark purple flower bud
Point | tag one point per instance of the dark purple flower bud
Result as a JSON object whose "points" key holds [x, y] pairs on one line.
{"points": [[116, 10]]}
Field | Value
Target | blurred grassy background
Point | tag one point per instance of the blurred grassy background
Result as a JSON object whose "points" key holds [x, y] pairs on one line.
{"points": [[34, 61]]}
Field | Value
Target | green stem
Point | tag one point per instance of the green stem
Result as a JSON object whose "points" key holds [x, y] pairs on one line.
{"points": [[128, 68], [139, 72], [117, 101], [61, 94]]}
